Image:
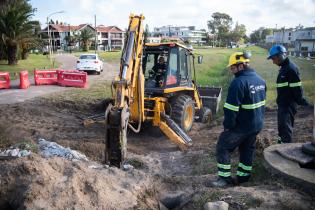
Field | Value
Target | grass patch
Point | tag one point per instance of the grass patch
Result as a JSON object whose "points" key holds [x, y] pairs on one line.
{"points": [[5, 140], [213, 71], [199, 200], [97, 91], [32, 62], [205, 164]]}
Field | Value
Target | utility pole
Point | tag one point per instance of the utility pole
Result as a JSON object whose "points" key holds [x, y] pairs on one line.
{"points": [[95, 33], [49, 41]]}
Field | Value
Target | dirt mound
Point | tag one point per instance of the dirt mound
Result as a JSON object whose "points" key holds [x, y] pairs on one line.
{"points": [[56, 183]]}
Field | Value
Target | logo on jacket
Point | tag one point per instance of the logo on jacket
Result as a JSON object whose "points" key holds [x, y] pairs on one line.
{"points": [[253, 89]]}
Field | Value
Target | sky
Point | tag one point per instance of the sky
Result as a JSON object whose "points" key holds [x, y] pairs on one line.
{"points": [[252, 13]]}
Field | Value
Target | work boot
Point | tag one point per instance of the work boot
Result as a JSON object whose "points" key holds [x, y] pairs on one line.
{"points": [[221, 182]]}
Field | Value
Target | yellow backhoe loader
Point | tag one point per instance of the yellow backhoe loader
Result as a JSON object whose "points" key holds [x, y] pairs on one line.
{"points": [[155, 84]]}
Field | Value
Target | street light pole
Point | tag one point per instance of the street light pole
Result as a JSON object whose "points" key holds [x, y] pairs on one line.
{"points": [[49, 40]]}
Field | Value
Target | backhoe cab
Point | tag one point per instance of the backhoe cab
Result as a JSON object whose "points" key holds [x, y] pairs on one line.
{"points": [[168, 70]]}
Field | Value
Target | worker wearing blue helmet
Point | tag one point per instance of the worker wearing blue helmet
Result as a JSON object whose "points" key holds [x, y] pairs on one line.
{"points": [[289, 92]]}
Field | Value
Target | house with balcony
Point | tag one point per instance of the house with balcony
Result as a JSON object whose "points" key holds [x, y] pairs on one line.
{"points": [[110, 38], [304, 40], [59, 32]]}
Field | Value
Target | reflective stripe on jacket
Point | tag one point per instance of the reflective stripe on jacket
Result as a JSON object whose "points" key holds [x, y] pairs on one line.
{"points": [[244, 108]]}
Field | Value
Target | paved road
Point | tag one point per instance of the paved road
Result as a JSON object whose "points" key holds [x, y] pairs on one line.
{"points": [[16, 95]]}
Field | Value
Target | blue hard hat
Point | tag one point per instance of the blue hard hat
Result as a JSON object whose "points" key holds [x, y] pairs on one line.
{"points": [[276, 50]]}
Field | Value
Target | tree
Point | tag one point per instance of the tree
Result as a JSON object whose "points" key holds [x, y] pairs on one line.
{"points": [[260, 34], [238, 33], [31, 40], [72, 40], [220, 26], [86, 38], [146, 33], [15, 26]]}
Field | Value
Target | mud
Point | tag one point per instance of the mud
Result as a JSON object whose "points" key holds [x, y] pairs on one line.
{"points": [[160, 168]]}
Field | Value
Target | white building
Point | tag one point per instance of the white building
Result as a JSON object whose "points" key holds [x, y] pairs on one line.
{"points": [[186, 33], [110, 37], [305, 40], [281, 36]]}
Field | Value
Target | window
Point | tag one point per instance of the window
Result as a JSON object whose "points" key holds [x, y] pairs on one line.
{"points": [[92, 57], [183, 65], [148, 64], [104, 35], [173, 62], [171, 78]]}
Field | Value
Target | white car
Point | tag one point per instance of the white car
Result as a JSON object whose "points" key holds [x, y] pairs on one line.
{"points": [[90, 62]]}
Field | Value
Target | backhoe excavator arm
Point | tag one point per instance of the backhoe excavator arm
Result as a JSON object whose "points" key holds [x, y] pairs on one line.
{"points": [[128, 95]]}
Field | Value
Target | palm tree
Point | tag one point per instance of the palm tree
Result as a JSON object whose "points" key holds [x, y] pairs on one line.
{"points": [[31, 40], [15, 26], [71, 40], [86, 38]]}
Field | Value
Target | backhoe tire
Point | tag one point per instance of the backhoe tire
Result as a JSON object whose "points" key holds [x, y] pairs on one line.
{"points": [[204, 115], [183, 112]]}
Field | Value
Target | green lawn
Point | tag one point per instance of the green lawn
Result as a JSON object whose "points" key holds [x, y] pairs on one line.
{"points": [[33, 62], [213, 71]]}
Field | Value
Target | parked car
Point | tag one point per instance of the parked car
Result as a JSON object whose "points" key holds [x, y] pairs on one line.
{"points": [[90, 63]]}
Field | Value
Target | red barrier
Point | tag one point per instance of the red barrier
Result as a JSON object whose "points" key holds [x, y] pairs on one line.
{"points": [[24, 81], [60, 73], [72, 78], [46, 77], [4, 80]]}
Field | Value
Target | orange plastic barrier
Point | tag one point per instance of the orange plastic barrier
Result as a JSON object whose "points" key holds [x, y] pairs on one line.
{"points": [[60, 73], [4, 80], [72, 78], [24, 81], [46, 77]]}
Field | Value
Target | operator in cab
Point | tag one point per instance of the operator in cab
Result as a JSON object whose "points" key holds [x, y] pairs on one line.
{"points": [[159, 70]]}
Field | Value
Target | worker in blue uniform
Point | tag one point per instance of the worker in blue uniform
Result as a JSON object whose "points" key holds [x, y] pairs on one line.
{"points": [[289, 92], [243, 119]]}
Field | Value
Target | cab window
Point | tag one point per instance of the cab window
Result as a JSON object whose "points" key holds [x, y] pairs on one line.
{"points": [[183, 65]]}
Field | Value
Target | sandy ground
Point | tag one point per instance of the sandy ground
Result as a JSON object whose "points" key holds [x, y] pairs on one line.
{"points": [[161, 174]]}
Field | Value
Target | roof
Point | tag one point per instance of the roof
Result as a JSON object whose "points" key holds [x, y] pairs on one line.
{"points": [[100, 28], [106, 29], [65, 28]]}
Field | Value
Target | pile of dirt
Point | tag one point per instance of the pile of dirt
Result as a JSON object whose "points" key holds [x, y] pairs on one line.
{"points": [[56, 183]]}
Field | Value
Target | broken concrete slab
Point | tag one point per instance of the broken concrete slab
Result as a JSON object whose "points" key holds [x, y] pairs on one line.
{"points": [[218, 205], [294, 152], [277, 164]]}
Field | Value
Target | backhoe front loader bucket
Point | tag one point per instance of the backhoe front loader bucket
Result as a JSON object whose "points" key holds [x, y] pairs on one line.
{"points": [[211, 97]]}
